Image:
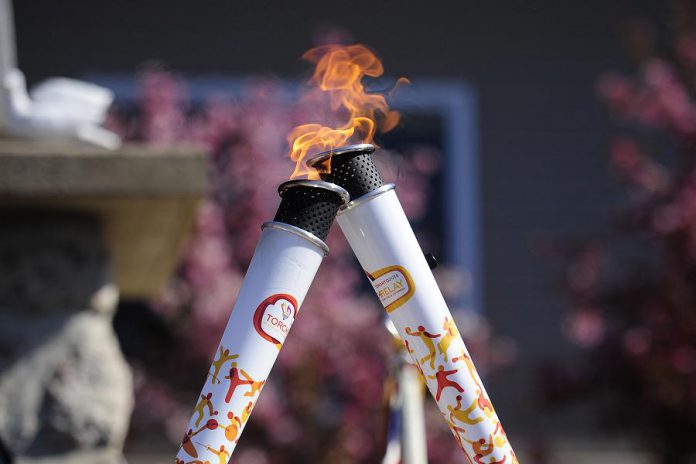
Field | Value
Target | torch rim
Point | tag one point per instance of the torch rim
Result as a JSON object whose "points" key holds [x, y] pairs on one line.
{"points": [[367, 197], [310, 237], [324, 155], [320, 184]]}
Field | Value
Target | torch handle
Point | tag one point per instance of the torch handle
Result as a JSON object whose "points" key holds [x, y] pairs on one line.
{"points": [[280, 273], [381, 237]]}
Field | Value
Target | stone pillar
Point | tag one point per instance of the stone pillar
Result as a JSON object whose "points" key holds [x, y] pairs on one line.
{"points": [[65, 387], [78, 224]]}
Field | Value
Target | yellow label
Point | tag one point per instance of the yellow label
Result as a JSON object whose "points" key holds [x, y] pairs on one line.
{"points": [[394, 286]]}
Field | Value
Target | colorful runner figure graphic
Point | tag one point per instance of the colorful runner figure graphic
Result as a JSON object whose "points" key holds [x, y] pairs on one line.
{"points": [[236, 381], [205, 402], [441, 376], [463, 415], [450, 333], [427, 339], [222, 358]]}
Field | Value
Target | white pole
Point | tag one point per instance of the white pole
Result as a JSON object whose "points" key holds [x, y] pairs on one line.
{"points": [[413, 445], [381, 237]]}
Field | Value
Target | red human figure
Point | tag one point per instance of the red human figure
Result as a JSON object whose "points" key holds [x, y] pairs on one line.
{"points": [[443, 382], [236, 381], [427, 339]]}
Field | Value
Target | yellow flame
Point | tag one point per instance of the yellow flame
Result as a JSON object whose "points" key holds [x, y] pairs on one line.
{"points": [[339, 71]]}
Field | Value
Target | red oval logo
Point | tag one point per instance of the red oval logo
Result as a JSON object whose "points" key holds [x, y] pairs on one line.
{"points": [[274, 317]]}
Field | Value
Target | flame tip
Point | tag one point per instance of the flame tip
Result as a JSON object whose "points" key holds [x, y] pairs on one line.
{"points": [[339, 70]]}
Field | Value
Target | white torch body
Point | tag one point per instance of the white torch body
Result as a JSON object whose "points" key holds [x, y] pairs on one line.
{"points": [[280, 273], [381, 237]]}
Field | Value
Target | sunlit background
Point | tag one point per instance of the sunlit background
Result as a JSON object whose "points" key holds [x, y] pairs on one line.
{"points": [[544, 156]]}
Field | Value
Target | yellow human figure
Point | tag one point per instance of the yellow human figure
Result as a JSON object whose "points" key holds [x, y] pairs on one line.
{"points": [[450, 333], [223, 357], [205, 402], [469, 366], [427, 339], [463, 415], [222, 454]]}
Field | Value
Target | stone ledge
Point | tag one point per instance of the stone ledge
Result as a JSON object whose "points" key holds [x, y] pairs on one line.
{"points": [[145, 198], [29, 168]]}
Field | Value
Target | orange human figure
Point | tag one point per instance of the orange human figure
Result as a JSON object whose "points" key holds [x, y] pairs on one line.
{"points": [[232, 430], [463, 415], [450, 333], [441, 376], [247, 412], [485, 404], [236, 381], [222, 358], [483, 447], [222, 454], [255, 386], [427, 339], [205, 402]]}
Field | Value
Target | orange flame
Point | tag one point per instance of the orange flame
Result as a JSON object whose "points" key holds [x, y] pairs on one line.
{"points": [[339, 71]]}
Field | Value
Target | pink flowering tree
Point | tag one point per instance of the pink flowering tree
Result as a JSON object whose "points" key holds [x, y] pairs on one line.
{"points": [[633, 290], [324, 400]]}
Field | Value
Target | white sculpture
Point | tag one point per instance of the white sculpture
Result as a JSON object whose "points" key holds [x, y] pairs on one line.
{"points": [[58, 108]]}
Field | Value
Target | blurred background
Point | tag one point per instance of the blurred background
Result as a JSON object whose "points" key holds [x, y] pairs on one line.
{"points": [[545, 156]]}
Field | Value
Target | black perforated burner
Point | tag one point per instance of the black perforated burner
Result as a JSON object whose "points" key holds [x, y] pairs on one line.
{"points": [[351, 168], [310, 205]]}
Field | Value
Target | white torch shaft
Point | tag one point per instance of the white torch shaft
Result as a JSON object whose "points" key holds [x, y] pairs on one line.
{"points": [[383, 241], [280, 273]]}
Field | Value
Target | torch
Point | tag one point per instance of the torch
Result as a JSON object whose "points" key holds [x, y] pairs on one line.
{"points": [[381, 237], [283, 267]]}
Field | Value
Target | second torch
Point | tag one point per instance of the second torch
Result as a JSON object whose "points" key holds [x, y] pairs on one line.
{"points": [[381, 237]]}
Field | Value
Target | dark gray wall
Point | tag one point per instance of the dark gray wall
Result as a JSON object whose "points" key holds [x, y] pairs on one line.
{"points": [[534, 64]]}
